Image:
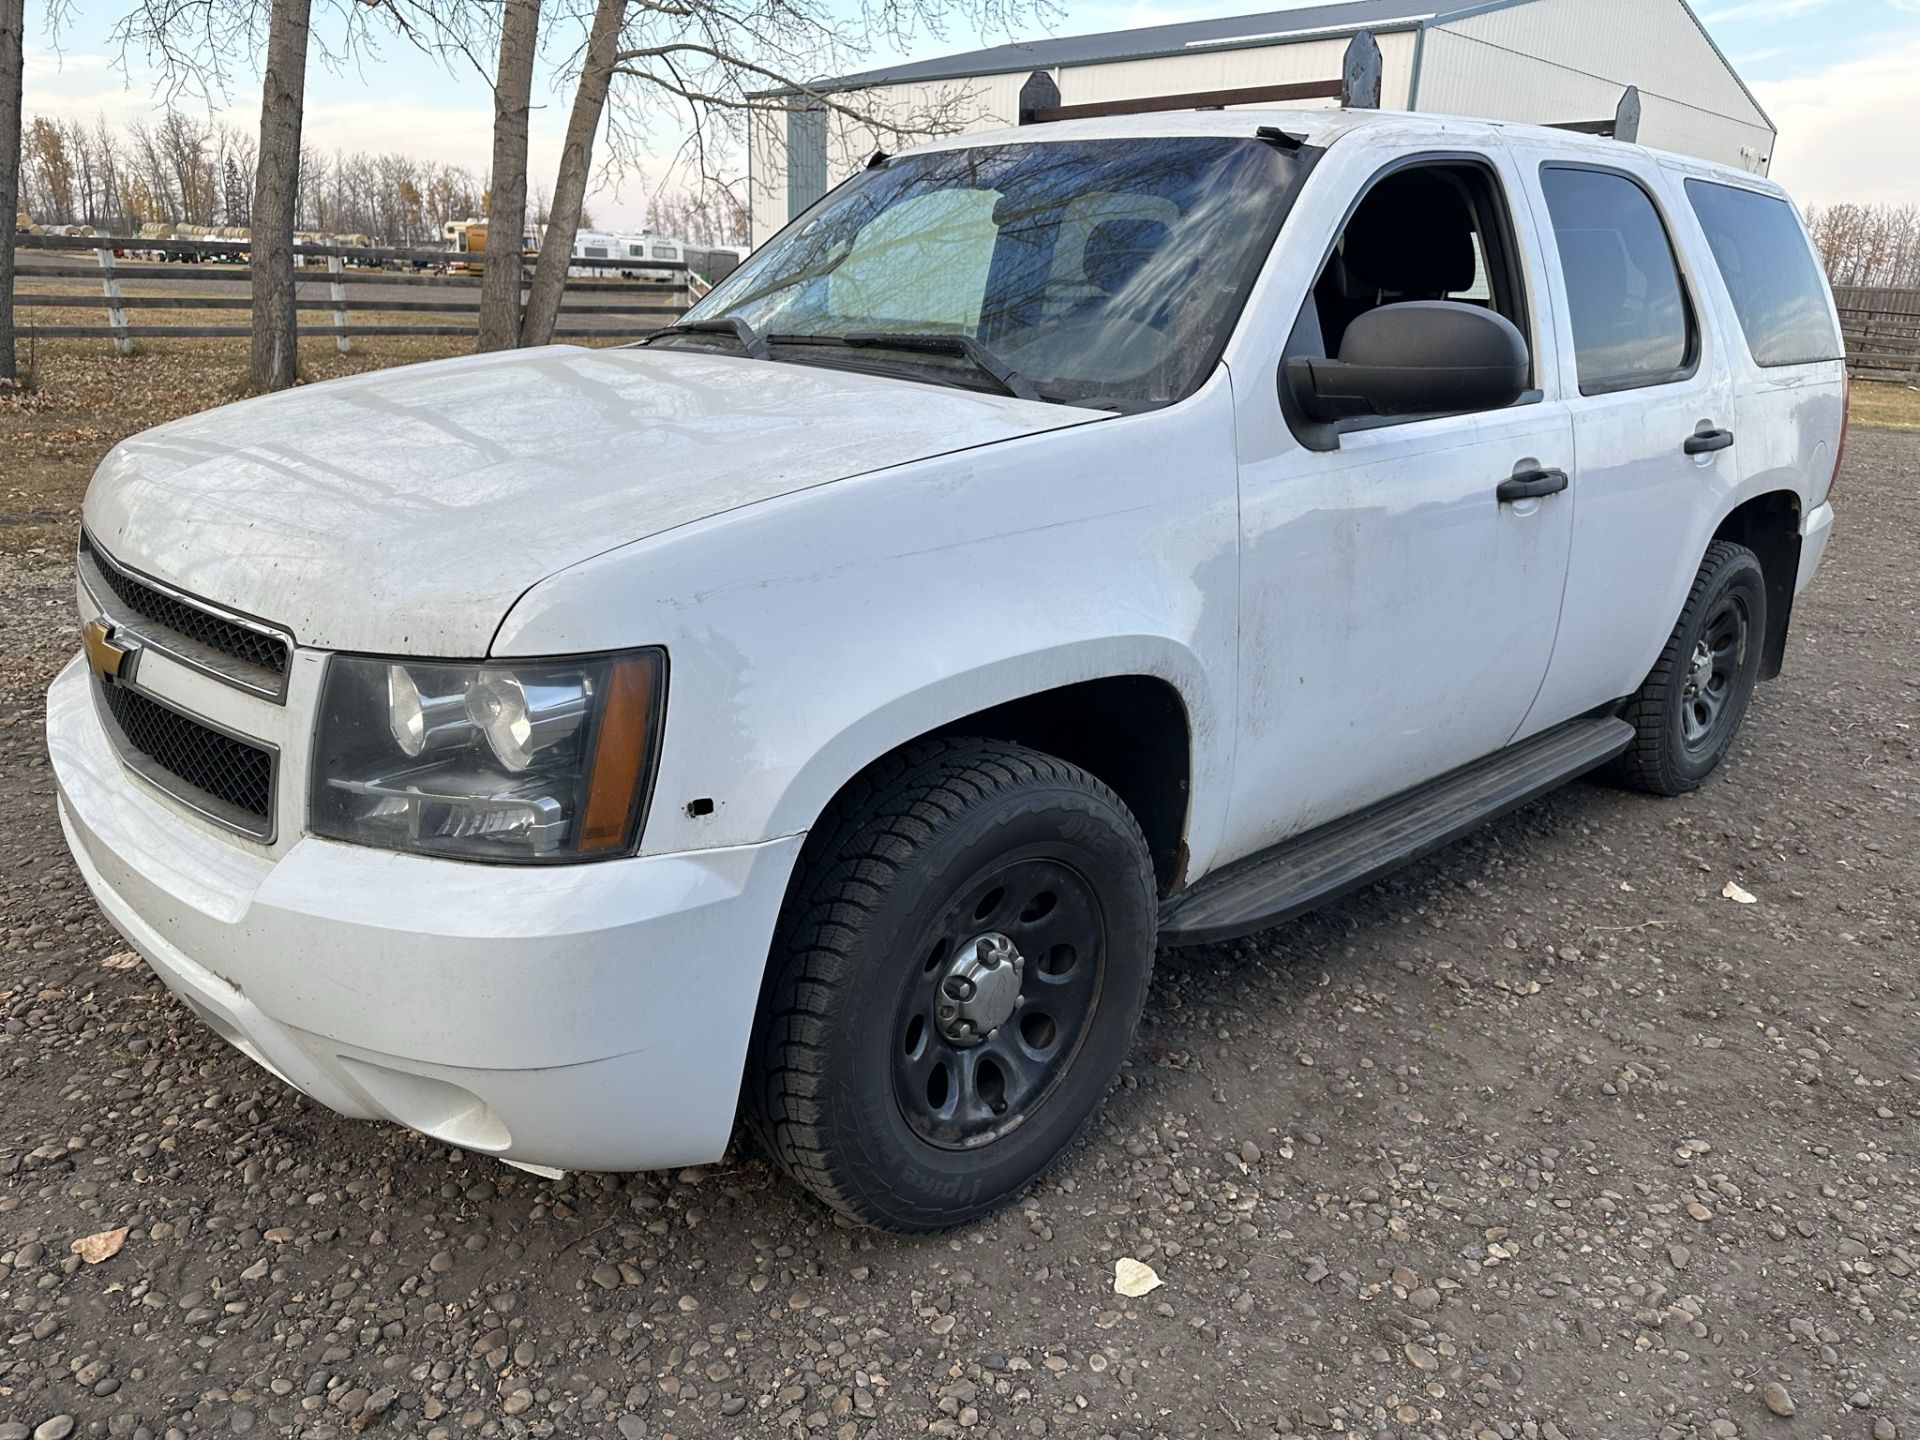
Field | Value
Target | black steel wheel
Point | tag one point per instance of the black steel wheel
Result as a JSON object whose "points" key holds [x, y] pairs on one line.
{"points": [[1715, 668], [1686, 715], [961, 962], [996, 1014]]}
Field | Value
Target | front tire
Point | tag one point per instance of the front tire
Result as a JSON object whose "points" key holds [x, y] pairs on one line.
{"points": [[1686, 715], [960, 966]]}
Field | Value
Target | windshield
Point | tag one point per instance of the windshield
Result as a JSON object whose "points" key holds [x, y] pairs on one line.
{"points": [[1099, 271]]}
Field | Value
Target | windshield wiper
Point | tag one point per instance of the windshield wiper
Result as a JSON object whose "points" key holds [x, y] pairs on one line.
{"points": [[964, 346], [733, 325]]}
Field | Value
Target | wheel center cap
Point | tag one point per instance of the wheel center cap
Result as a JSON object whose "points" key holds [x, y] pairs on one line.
{"points": [[1702, 675], [980, 990]]}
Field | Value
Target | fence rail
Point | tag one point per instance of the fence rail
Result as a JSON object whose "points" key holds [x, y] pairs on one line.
{"points": [[326, 279], [1881, 325]]}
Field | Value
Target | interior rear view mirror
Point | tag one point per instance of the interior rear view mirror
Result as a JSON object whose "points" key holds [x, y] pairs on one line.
{"points": [[1424, 357]]}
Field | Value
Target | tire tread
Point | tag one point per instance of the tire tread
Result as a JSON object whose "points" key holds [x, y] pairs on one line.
{"points": [[1647, 764], [863, 844]]}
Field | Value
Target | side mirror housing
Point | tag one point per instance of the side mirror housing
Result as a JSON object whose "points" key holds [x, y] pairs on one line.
{"points": [[1423, 357]]}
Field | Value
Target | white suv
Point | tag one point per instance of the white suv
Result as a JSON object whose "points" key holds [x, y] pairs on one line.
{"points": [[1054, 543]]}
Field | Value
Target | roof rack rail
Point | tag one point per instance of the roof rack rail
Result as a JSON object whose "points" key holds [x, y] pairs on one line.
{"points": [[1624, 126], [1357, 88]]}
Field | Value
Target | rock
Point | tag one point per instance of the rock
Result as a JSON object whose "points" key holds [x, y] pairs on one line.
{"points": [[1425, 1298], [1316, 1272], [1775, 1397], [1679, 1256], [58, 1428], [1885, 1429], [519, 1402], [1421, 1358]]}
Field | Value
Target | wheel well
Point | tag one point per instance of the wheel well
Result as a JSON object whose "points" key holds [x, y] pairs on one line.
{"points": [[1128, 731], [1769, 525]]}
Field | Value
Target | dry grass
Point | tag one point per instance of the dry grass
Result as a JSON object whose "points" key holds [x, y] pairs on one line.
{"points": [[1889, 406], [82, 398]]}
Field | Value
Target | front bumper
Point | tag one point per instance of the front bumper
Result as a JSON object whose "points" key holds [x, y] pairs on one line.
{"points": [[589, 1017]]}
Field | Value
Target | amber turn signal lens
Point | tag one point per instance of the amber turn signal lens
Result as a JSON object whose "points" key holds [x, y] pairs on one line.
{"points": [[622, 753]]}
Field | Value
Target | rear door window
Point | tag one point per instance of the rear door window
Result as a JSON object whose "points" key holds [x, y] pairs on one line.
{"points": [[1777, 287], [1632, 325]]}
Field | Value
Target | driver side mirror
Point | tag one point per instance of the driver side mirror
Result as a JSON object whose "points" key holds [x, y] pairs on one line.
{"points": [[1422, 357]]}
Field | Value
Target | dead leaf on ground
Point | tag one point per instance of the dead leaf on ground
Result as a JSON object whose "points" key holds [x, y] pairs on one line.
{"points": [[1133, 1279], [103, 1246], [1739, 897], [122, 960]]}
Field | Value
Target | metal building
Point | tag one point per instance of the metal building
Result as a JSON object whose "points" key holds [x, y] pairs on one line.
{"points": [[1542, 61]]}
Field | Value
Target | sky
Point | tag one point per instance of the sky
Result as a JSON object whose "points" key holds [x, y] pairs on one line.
{"points": [[1838, 77]]}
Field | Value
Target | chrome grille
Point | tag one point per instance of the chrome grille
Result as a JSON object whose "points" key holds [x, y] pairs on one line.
{"points": [[241, 652], [225, 778]]}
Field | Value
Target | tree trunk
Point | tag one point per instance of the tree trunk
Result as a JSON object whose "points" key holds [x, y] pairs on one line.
{"points": [[507, 203], [576, 167], [276, 189], [13, 24]]}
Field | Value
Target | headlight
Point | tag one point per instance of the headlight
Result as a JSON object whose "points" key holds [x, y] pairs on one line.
{"points": [[548, 760]]}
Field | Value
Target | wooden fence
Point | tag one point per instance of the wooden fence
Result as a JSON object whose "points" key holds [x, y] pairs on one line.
{"points": [[325, 278], [1882, 330]]}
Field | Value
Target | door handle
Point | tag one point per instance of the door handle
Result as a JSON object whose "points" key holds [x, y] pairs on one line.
{"points": [[1705, 442], [1532, 485]]}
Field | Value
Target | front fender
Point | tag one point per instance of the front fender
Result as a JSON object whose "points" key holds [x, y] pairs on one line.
{"points": [[809, 635]]}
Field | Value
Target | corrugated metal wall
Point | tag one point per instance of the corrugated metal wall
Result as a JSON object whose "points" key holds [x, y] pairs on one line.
{"points": [[1552, 60], [991, 101], [1540, 61], [983, 104], [1217, 68]]}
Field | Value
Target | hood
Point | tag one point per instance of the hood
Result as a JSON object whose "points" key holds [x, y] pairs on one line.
{"points": [[404, 511]]}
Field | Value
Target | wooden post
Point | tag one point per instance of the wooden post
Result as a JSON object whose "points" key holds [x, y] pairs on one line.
{"points": [[110, 288], [337, 292]]}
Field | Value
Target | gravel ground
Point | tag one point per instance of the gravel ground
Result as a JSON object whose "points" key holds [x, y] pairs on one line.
{"points": [[1542, 1138]]}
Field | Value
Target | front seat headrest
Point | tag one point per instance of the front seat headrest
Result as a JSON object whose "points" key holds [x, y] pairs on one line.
{"points": [[1412, 236]]}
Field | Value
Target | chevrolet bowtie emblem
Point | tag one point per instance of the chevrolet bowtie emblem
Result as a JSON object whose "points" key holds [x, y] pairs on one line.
{"points": [[110, 659]]}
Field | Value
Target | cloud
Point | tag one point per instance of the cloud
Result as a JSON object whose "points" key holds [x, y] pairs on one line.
{"points": [[1764, 11], [1846, 131]]}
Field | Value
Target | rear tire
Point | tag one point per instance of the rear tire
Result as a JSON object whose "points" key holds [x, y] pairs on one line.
{"points": [[955, 983], [1686, 715]]}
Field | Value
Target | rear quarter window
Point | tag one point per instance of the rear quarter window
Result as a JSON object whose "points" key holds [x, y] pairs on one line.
{"points": [[1778, 290]]}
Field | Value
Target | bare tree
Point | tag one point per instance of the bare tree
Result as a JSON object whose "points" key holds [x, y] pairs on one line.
{"points": [[1868, 244], [712, 65], [274, 357], [13, 26], [505, 271], [576, 165]]}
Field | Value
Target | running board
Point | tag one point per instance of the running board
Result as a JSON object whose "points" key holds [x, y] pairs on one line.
{"points": [[1311, 870]]}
